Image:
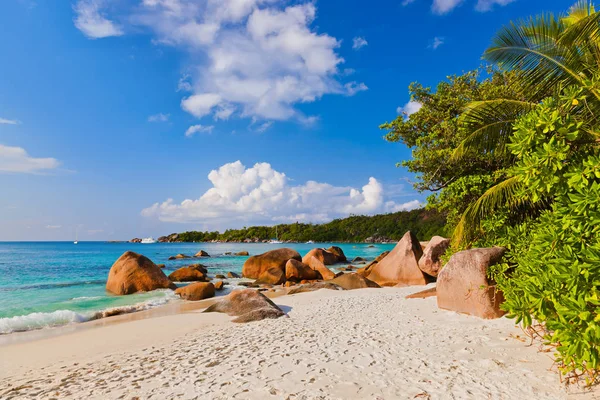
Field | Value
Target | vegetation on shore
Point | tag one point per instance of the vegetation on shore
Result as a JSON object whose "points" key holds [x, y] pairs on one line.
{"points": [[519, 166], [425, 224]]}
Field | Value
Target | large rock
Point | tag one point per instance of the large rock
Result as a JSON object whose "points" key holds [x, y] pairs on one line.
{"points": [[179, 257], [338, 252], [463, 286], [256, 265], [430, 262], [272, 276], [401, 265], [317, 265], [247, 305], [366, 270], [353, 281], [241, 253], [201, 253], [133, 273], [188, 274], [322, 255], [311, 287], [297, 271], [196, 291]]}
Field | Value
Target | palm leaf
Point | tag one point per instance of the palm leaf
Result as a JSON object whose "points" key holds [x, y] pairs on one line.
{"points": [[489, 124], [504, 194]]}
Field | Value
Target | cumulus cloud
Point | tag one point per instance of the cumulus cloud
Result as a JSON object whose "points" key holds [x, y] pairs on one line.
{"points": [[444, 6], [359, 42], [488, 5], [354, 87], [198, 129], [251, 58], [260, 194], [409, 108], [16, 159], [90, 21], [160, 117], [9, 121]]}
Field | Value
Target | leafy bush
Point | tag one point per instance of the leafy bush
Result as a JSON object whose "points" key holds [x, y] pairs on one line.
{"points": [[553, 274]]}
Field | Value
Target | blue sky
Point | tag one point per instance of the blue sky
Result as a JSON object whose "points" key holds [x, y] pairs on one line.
{"points": [[113, 113]]}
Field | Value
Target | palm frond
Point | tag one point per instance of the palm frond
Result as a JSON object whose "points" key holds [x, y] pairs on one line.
{"points": [[490, 125], [504, 194], [534, 47]]}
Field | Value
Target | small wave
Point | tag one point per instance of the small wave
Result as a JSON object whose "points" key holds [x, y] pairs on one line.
{"points": [[85, 298], [40, 320], [57, 318]]}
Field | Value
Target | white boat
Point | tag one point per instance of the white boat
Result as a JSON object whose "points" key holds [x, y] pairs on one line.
{"points": [[148, 240], [276, 240], [310, 242], [76, 236]]}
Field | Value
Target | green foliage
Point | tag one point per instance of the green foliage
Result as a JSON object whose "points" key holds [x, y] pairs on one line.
{"points": [[434, 132], [424, 223]]}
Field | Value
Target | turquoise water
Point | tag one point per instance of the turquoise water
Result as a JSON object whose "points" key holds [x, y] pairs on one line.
{"points": [[44, 284]]}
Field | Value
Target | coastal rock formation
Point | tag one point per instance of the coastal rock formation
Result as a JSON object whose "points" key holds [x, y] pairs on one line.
{"points": [[247, 305], [338, 252], [256, 265], [365, 271], [179, 257], [401, 265], [357, 259], [201, 253], [133, 273], [135, 240], [353, 281], [173, 237], [297, 271], [219, 285], [463, 286], [272, 276], [317, 265], [196, 291], [242, 253], [161, 265], [232, 275], [322, 255], [311, 287], [195, 272], [423, 294], [430, 262]]}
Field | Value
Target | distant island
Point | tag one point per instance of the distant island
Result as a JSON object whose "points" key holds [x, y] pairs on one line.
{"points": [[365, 229]]}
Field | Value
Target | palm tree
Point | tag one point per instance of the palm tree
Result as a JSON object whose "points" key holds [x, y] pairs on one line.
{"points": [[549, 52]]}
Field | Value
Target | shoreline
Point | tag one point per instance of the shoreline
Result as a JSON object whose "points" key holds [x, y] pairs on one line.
{"points": [[334, 345]]}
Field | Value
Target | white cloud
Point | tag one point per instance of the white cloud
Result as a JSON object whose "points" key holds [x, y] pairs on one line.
{"points": [[261, 194], [436, 42], [9, 121], [488, 5], [198, 129], [354, 87], [444, 6], [53, 226], [91, 22], [359, 42], [160, 117], [250, 58], [391, 206], [264, 126], [16, 159], [409, 108]]}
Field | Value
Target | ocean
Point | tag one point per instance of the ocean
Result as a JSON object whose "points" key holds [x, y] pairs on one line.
{"points": [[48, 284]]}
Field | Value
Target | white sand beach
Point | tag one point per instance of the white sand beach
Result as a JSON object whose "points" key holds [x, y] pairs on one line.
{"points": [[360, 344]]}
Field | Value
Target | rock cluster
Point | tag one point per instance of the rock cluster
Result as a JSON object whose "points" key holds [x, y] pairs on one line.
{"points": [[133, 273]]}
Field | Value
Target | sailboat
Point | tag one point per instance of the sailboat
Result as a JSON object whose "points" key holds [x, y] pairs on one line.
{"points": [[276, 240], [76, 235]]}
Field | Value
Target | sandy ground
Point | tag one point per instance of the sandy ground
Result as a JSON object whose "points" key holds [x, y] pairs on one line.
{"points": [[361, 344]]}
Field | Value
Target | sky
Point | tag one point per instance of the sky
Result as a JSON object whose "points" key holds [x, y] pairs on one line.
{"points": [[136, 118]]}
